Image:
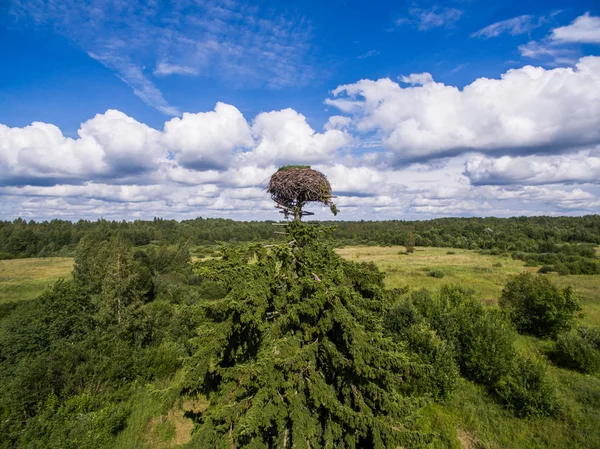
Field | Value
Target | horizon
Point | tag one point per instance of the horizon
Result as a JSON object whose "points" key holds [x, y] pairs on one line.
{"points": [[415, 110], [329, 220]]}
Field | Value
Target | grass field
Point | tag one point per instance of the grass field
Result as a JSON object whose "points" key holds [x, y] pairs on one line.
{"points": [[485, 274], [22, 279]]}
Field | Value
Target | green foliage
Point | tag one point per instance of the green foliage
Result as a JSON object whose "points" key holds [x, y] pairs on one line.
{"points": [[482, 341], [6, 256], [528, 390], [70, 359], [451, 329], [578, 350], [564, 243], [538, 307], [290, 342], [438, 274], [410, 243], [439, 372], [288, 167], [294, 355]]}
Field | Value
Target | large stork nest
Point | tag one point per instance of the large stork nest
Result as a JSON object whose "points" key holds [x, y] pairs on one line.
{"points": [[292, 186]]}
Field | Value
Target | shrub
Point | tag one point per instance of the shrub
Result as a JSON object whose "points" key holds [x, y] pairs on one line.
{"points": [[562, 269], [481, 338], [439, 371], [546, 269], [436, 274], [487, 348], [578, 350], [451, 253], [5, 256], [527, 390], [538, 307]]}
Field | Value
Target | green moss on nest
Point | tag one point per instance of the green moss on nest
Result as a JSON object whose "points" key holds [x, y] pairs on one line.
{"points": [[288, 167]]}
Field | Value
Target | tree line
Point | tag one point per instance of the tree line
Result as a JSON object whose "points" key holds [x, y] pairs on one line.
{"points": [[562, 244]]}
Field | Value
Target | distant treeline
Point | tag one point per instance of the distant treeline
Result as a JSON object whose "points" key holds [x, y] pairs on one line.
{"points": [[560, 243]]}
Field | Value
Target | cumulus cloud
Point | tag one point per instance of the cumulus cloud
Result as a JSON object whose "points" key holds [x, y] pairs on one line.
{"points": [[579, 168], [585, 29], [109, 145], [410, 149], [217, 146], [284, 137], [338, 122], [207, 139], [528, 110], [515, 26]]}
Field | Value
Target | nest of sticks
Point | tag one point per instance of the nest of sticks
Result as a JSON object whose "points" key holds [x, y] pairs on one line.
{"points": [[293, 186]]}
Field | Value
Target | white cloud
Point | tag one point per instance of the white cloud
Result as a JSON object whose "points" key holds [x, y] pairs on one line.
{"points": [[584, 29], [226, 40], [110, 144], [426, 19], [558, 54], [166, 69], [338, 122], [127, 145], [515, 26], [579, 168], [207, 139], [217, 163], [284, 137], [528, 110], [368, 54]]}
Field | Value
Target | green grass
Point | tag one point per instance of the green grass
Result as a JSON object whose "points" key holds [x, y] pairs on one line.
{"points": [[156, 423], [469, 268], [22, 279]]}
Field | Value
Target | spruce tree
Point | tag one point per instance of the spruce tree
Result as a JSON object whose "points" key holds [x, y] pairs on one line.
{"points": [[294, 355]]}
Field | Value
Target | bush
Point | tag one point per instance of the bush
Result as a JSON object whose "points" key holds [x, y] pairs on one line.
{"points": [[487, 348], [527, 390], [482, 340], [451, 253], [578, 350], [538, 307], [546, 269], [562, 269], [5, 256], [439, 373], [436, 274]]}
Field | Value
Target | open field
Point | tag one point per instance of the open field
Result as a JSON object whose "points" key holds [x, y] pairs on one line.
{"points": [[22, 279], [483, 273]]}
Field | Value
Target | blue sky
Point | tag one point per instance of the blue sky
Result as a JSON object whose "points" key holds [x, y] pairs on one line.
{"points": [[413, 109]]}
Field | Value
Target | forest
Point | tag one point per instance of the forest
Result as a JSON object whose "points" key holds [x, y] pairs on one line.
{"points": [[561, 244], [275, 340]]}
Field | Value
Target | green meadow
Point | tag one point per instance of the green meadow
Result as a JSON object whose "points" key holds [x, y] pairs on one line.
{"points": [[22, 279]]}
